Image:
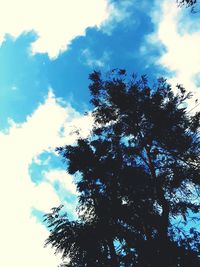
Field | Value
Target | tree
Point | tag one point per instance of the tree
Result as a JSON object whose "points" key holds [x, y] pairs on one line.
{"points": [[188, 3], [138, 179]]}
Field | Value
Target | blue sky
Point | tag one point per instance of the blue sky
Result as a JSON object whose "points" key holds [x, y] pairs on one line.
{"points": [[47, 51]]}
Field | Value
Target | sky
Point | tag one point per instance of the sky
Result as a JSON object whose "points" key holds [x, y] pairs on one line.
{"points": [[47, 51]]}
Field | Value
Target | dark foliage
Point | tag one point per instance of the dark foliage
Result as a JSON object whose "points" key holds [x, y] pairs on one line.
{"points": [[187, 2], [193, 4], [139, 184]]}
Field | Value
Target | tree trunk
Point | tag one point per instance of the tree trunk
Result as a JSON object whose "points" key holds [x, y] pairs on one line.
{"points": [[113, 255], [163, 241]]}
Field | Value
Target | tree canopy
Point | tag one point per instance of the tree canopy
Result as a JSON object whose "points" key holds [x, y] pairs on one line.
{"points": [[138, 179], [188, 3]]}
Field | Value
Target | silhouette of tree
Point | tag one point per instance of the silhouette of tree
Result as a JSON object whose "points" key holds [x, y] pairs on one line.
{"points": [[189, 3], [138, 179]]}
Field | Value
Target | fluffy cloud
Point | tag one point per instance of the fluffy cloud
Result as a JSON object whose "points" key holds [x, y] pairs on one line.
{"points": [[55, 22], [65, 180], [119, 10], [22, 236], [90, 60], [182, 54]]}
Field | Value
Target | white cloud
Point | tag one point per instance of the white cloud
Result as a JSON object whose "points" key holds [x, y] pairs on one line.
{"points": [[66, 189], [56, 22], [66, 180], [119, 11], [92, 61], [22, 237], [182, 54]]}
